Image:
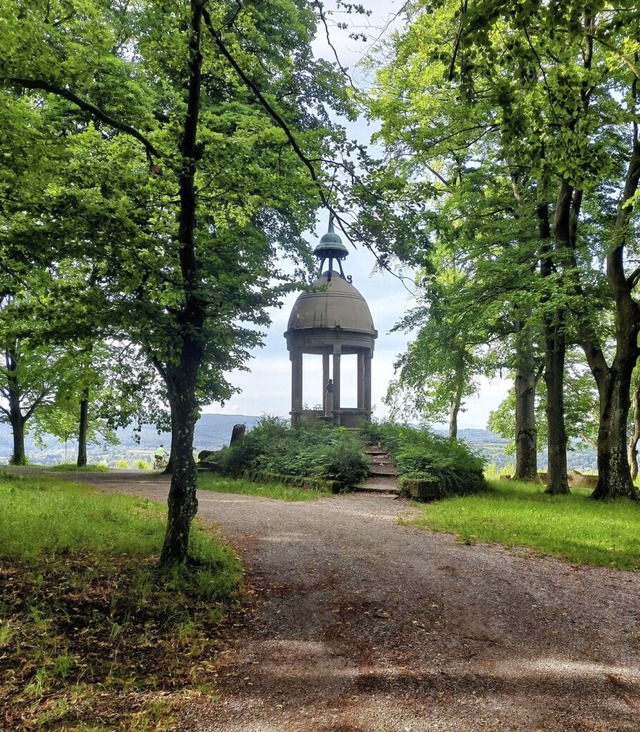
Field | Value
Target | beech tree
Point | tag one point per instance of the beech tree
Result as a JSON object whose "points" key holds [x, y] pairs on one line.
{"points": [[182, 179], [551, 88], [28, 379], [577, 62], [449, 153]]}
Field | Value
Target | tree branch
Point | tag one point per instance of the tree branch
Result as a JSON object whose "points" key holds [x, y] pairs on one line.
{"points": [[267, 106], [86, 106]]}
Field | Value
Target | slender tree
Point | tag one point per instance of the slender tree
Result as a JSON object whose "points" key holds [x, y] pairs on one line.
{"points": [[183, 178]]}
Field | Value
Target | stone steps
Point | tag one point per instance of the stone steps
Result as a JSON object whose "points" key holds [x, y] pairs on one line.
{"points": [[383, 473]]}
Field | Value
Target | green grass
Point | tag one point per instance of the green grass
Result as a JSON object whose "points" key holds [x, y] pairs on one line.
{"points": [[278, 491], [93, 635], [45, 515], [574, 528], [73, 468]]}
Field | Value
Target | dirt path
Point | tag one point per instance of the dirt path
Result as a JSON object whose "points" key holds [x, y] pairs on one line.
{"points": [[364, 625]]}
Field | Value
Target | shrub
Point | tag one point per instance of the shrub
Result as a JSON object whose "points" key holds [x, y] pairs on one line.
{"points": [[319, 451], [421, 455]]}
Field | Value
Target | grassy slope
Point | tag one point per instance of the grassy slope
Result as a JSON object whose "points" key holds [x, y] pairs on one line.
{"points": [[573, 527], [92, 636]]}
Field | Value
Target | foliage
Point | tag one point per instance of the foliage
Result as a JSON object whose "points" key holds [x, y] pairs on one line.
{"points": [[516, 514], [92, 625], [517, 125], [581, 410], [320, 451], [174, 169], [419, 454]]}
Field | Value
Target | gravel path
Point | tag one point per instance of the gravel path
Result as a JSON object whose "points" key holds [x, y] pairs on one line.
{"points": [[361, 624]]}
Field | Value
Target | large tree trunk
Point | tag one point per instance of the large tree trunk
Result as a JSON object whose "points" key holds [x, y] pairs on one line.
{"points": [[454, 410], [83, 429], [182, 377], [525, 386], [632, 447], [182, 501], [19, 455], [614, 475], [16, 419], [555, 347], [554, 357]]}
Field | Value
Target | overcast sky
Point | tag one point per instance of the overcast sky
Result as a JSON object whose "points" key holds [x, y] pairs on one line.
{"points": [[266, 388]]}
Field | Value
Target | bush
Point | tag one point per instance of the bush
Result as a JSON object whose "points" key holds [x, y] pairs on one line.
{"points": [[320, 451], [421, 455]]}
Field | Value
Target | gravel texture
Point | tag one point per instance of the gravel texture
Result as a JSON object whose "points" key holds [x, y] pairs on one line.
{"points": [[361, 624]]}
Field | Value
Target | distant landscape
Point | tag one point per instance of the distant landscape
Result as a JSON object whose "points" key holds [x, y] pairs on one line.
{"points": [[213, 431]]}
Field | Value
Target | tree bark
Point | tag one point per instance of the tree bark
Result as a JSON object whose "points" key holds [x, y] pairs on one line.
{"points": [[554, 357], [632, 448], [83, 429], [182, 501], [614, 475], [555, 347], [454, 410], [182, 377], [16, 419], [525, 386], [19, 455]]}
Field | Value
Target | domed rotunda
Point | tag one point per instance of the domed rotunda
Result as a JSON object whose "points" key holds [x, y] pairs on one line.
{"points": [[332, 320]]}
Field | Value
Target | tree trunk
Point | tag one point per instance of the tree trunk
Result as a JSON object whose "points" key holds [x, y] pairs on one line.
{"points": [[19, 455], [525, 386], [557, 480], [83, 429], [554, 356], [182, 501], [614, 384], [16, 419], [454, 410], [614, 476], [182, 377], [632, 448]]}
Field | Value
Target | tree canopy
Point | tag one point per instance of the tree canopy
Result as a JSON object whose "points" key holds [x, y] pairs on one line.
{"points": [[153, 154]]}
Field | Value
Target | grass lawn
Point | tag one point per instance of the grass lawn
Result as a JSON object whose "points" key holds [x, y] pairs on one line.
{"points": [[574, 528], [219, 484], [93, 636]]}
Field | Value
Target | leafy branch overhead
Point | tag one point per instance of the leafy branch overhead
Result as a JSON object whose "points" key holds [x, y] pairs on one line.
{"points": [[176, 148]]}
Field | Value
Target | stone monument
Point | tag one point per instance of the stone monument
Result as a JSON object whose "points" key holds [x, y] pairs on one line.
{"points": [[331, 319]]}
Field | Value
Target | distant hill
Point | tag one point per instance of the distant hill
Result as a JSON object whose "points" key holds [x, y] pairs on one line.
{"points": [[213, 431]]}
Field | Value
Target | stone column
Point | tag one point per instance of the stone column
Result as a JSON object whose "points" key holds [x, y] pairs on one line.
{"points": [[326, 405], [368, 355], [296, 384], [337, 350], [361, 380]]}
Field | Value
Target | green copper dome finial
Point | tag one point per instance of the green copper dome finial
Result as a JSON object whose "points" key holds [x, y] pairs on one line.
{"points": [[331, 247]]}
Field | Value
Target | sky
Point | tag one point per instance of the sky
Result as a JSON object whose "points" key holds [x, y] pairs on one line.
{"points": [[266, 387]]}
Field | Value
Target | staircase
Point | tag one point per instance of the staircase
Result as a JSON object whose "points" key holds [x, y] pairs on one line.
{"points": [[383, 477]]}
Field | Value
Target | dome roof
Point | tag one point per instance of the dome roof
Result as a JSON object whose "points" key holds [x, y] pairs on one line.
{"points": [[337, 305]]}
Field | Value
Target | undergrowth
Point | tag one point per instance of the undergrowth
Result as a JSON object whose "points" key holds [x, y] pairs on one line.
{"points": [[93, 635], [421, 455], [318, 451]]}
